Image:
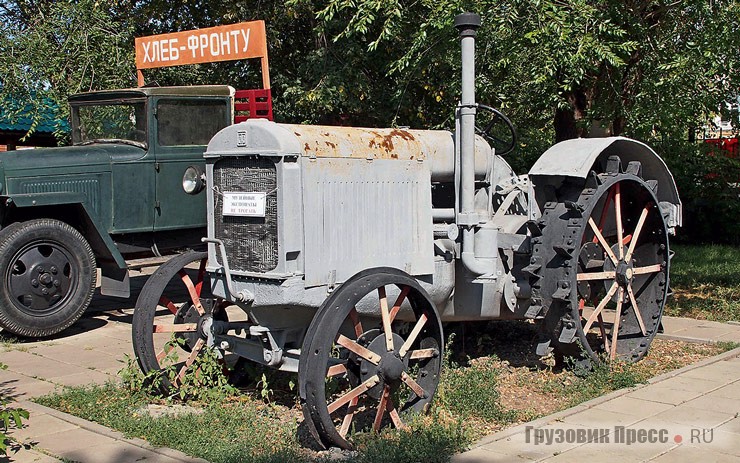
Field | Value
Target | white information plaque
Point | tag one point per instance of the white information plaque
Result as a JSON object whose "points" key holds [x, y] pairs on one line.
{"points": [[243, 204]]}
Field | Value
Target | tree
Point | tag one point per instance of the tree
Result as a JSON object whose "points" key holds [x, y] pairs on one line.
{"points": [[633, 66], [49, 50]]}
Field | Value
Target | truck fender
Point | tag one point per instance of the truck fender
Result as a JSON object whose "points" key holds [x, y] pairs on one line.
{"points": [[72, 208], [578, 157]]}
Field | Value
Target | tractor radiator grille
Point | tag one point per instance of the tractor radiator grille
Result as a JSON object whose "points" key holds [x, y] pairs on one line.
{"points": [[251, 242]]}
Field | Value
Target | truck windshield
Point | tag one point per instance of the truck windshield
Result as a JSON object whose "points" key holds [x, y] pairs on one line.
{"points": [[109, 121]]}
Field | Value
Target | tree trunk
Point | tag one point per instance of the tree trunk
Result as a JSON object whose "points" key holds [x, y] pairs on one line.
{"points": [[565, 125], [566, 120]]}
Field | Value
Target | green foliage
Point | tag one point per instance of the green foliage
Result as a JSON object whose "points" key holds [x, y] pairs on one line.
{"points": [[558, 69], [49, 50], [473, 392], [630, 68], [10, 417], [204, 381], [707, 181]]}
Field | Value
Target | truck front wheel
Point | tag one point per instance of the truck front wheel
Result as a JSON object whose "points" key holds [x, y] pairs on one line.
{"points": [[48, 277]]}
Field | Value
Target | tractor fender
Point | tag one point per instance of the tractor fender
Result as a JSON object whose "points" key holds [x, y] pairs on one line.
{"points": [[72, 208], [578, 157]]}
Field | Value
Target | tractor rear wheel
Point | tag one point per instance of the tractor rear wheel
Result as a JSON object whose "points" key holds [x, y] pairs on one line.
{"points": [[605, 259]]}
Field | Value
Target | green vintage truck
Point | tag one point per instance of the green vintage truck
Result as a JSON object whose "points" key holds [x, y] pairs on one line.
{"points": [[129, 186]]}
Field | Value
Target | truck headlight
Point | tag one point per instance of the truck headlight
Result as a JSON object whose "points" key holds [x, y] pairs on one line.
{"points": [[194, 180]]}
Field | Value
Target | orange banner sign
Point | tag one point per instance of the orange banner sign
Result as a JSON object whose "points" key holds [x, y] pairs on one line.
{"points": [[221, 43]]}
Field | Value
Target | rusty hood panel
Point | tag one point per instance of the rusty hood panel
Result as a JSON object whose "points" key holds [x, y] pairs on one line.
{"points": [[369, 143]]}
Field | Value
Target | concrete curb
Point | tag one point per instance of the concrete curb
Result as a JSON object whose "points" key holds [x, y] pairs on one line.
{"points": [[108, 432], [677, 337], [559, 416]]}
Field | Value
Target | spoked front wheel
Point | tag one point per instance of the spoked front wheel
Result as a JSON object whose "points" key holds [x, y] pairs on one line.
{"points": [[172, 320], [361, 372]]}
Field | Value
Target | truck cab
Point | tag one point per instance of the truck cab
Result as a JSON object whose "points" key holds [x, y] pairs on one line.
{"points": [[130, 185]]}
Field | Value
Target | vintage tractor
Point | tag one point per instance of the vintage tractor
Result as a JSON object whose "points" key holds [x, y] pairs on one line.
{"points": [[338, 253]]}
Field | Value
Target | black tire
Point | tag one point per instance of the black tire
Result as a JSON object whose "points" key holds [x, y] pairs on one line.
{"points": [[384, 376], [166, 288], [604, 299], [48, 277]]}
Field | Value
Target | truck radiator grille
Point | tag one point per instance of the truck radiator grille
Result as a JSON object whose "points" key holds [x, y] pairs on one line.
{"points": [[251, 242]]}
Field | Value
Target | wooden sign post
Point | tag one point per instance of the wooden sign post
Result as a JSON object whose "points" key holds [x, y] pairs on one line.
{"points": [[221, 43]]}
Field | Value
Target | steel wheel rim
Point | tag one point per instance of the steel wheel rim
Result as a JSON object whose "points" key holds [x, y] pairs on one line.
{"points": [[48, 266]]}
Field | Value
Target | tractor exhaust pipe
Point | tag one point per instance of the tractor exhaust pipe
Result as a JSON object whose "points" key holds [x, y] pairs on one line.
{"points": [[467, 218]]}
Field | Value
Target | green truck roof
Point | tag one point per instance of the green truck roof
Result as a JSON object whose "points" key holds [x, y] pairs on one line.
{"points": [[189, 90]]}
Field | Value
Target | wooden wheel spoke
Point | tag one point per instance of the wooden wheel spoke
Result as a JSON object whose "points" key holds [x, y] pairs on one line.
{"points": [[175, 328], [386, 319], [602, 241], [604, 212], [633, 302], [615, 327], [347, 420], [413, 335], [636, 234], [600, 307], [423, 354], [354, 393], [618, 212], [336, 370], [397, 306], [164, 301], [382, 406], [409, 381], [201, 277], [394, 415], [352, 346], [596, 276], [165, 352], [191, 358], [648, 269], [602, 330], [194, 296], [355, 317]]}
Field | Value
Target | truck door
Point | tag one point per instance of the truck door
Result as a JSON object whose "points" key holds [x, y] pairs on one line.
{"points": [[183, 128]]}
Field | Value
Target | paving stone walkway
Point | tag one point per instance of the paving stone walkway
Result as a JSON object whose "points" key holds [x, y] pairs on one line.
{"points": [[700, 397], [687, 415]]}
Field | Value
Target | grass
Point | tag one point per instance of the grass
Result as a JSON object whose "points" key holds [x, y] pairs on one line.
{"points": [[706, 283], [244, 428], [479, 393]]}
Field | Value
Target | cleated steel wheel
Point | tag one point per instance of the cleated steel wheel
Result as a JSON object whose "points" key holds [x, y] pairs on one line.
{"points": [[606, 270], [172, 319], [360, 372]]}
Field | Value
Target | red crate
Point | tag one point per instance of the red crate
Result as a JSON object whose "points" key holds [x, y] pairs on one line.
{"points": [[252, 104]]}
